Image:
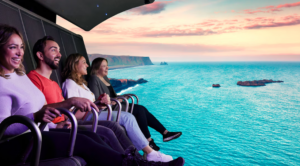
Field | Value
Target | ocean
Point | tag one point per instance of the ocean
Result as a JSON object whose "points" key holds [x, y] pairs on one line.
{"points": [[230, 125]]}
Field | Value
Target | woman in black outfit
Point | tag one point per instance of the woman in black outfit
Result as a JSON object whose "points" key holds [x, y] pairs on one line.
{"points": [[100, 84]]}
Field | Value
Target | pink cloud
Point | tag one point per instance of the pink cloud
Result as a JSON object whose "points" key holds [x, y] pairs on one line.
{"points": [[119, 19], [177, 32], [154, 8], [285, 21], [158, 47], [271, 9], [248, 11], [289, 5], [208, 27], [206, 24], [216, 27]]}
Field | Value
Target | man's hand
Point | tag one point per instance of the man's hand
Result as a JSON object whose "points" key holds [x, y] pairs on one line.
{"points": [[61, 125], [46, 114], [82, 104]]}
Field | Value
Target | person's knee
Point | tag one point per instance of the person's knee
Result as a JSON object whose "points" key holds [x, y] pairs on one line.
{"points": [[127, 117], [141, 109]]}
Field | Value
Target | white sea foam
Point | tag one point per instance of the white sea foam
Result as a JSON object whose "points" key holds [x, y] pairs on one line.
{"points": [[125, 90]]}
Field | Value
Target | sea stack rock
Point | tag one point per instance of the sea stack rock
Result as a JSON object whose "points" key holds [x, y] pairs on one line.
{"points": [[257, 82], [120, 84], [216, 86]]}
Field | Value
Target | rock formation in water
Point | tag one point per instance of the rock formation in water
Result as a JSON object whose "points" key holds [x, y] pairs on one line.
{"points": [[163, 63], [120, 84], [122, 60], [257, 82], [216, 85]]}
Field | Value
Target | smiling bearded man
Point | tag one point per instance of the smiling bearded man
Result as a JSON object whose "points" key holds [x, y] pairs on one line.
{"points": [[47, 56]]}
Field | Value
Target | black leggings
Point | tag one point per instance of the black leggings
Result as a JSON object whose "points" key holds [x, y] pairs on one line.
{"points": [[144, 118], [88, 145]]}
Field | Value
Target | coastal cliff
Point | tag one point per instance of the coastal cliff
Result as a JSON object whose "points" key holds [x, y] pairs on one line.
{"points": [[122, 61], [121, 84]]}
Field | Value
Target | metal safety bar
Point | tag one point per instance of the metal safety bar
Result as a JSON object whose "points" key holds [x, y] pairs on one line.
{"points": [[120, 108], [137, 99], [132, 103], [108, 108], [126, 101], [37, 136]]}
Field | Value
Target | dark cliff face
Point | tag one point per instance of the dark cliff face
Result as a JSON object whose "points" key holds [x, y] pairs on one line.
{"points": [[123, 60]]}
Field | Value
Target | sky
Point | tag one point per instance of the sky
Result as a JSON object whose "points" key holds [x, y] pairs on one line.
{"points": [[200, 30]]}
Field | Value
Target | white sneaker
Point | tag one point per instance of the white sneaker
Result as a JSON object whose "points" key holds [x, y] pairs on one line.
{"points": [[157, 156]]}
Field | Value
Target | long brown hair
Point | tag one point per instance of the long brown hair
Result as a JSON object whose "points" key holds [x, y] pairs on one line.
{"points": [[96, 65], [70, 70], [6, 32]]}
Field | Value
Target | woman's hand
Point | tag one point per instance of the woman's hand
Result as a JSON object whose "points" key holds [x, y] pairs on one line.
{"points": [[46, 114], [105, 99], [82, 104], [114, 103], [61, 125]]}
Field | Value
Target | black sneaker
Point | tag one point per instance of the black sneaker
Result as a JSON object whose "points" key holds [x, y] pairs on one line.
{"points": [[177, 162], [153, 145], [132, 161], [171, 135]]}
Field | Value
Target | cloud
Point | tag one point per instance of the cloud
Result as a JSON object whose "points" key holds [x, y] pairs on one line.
{"points": [[288, 5], [248, 11], [154, 8], [130, 47], [271, 9], [184, 52], [178, 32], [266, 23], [204, 28]]}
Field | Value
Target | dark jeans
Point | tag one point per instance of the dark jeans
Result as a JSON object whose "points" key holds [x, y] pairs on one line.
{"points": [[107, 135], [118, 130], [144, 118], [88, 145]]}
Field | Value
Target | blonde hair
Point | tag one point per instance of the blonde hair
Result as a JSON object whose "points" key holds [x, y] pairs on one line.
{"points": [[6, 32], [70, 70]]}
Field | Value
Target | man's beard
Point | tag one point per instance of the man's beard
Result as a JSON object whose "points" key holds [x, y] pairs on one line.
{"points": [[51, 63]]}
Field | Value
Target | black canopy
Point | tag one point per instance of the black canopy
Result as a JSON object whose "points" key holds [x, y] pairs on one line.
{"points": [[86, 14]]}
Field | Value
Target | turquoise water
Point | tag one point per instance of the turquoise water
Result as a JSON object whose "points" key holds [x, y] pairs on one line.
{"points": [[231, 125]]}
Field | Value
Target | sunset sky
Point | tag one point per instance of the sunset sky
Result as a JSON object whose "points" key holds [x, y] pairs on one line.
{"points": [[200, 30]]}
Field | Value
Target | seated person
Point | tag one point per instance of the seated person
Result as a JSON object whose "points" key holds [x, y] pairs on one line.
{"points": [[19, 96], [47, 55], [99, 84], [50, 56], [75, 86]]}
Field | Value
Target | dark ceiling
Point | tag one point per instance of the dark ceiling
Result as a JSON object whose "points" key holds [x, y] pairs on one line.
{"points": [[86, 14]]}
